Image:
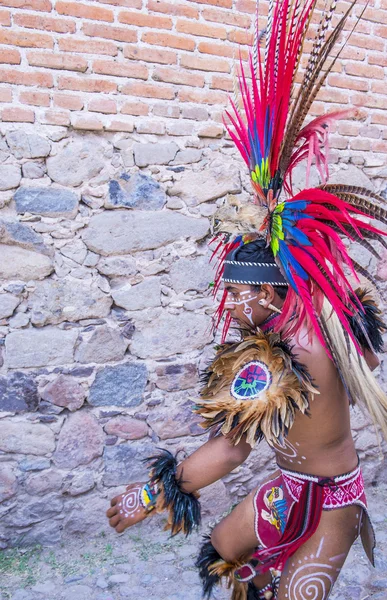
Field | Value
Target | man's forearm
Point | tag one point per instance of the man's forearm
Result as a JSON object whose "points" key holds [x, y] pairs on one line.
{"points": [[215, 459]]}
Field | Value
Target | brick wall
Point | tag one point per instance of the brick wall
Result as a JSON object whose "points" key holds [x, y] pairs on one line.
{"points": [[165, 67]]}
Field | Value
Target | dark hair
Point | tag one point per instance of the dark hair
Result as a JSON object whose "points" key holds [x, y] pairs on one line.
{"points": [[257, 251]]}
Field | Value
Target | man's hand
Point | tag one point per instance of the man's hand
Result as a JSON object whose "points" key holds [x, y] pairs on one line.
{"points": [[127, 509]]}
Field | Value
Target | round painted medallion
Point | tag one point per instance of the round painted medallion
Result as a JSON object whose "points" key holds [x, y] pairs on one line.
{"points": [[250, 381]]}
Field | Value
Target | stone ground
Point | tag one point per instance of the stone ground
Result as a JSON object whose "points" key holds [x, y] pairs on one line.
{"points": [[144, 563]]}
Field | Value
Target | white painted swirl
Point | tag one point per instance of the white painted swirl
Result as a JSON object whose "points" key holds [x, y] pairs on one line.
{"points": [[131, 501], [315, 585]]}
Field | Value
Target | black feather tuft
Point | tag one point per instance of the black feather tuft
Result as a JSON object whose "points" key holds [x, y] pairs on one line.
{"points": [[368, 326], [184, 508], [207, 557]]}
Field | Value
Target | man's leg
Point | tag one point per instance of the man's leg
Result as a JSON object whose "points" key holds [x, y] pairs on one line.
{"points": [[234, 538], [311, 572]]}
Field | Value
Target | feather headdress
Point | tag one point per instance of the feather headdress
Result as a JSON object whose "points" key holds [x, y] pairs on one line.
{"points": [[268, 127]]}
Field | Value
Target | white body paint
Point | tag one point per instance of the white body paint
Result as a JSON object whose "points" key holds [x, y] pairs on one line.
{"points": [[131, 502], [247, 298]]}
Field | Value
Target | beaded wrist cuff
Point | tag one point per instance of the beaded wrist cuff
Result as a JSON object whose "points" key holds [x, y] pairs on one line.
{"points": [[148, 496]]}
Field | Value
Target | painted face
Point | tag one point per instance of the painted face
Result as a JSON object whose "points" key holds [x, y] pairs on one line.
{"points": [[242, 304]]}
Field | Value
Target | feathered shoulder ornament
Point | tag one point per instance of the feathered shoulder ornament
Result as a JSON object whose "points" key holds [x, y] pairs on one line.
{"points": [[255, 387]]}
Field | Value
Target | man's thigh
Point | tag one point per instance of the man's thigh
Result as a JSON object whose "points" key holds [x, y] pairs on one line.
{"points": [[235, 537], [311, 572]]}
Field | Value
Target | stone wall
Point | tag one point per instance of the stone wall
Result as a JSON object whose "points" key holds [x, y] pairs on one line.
{"points": [[105, 313], [113, 159]]}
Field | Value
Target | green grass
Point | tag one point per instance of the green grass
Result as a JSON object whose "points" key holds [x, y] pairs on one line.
{"points": [[20, 563]]}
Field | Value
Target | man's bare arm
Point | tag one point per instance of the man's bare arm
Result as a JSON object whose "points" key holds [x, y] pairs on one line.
{"points": [[210, 462], [215, 459]]}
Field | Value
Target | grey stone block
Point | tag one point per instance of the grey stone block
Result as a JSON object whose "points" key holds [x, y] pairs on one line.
{"points": [[50, 202], [120, 385]]}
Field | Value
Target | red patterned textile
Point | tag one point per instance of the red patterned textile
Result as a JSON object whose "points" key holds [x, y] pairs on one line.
{"points": [[288, 509]]}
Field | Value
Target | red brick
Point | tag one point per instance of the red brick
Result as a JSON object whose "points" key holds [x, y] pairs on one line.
{"points": [[333, 95], [223, 3], [201, 30], [203, 97], [102, 105], [87, 46], [379, 147], [153, 55], [168, 39], [118, 69], [352, 53], [151, 127], [5, 95], [363, 70], [87, 123], [223, 50], [126, 126], [222, 83], [179, 77], [149, 90], [368, 100], [350, 83], [377, 59], [349, 129], [10, 57], [247, 6], [84, 11], [211, 130], [360, 144], [381, 30], [379, 87], [136, 109], [367, 41], [180, 128], [370, 131], [173, 8], [55, 117], [38, 5], [57, 61], [5, 18], [379, 118], [196, 113], [339, 142], [226, 17], [19, 78], [169, 111], [44, 23], [68, 101], [18, 115], [145, 20], [81, 84], [125, 3], [240, 37], [26, 40], [205, 64], [121, 34], [35, 98]]}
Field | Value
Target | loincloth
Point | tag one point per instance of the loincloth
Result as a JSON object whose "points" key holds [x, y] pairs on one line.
{"points": [[288, 509]]}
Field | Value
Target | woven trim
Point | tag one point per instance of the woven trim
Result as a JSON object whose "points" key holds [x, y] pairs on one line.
{"points": [[255, 282], [315, 479], [249, 264]]}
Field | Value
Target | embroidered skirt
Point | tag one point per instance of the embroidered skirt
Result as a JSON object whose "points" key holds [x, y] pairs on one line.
{"points": [[288, 509]]}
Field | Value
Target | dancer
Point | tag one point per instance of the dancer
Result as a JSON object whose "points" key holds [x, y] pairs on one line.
{"points": [[307, 347]]}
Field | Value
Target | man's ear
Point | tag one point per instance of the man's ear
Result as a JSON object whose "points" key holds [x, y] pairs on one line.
{"points": [[268, 292]]}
